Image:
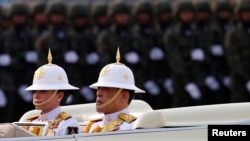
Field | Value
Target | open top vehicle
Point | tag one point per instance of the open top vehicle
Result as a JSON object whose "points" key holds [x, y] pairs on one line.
{"points": [[189, 123]]}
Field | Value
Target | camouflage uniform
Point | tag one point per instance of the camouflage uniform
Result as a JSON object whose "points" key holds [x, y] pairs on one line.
{"points": [[5, 23], [225, 22], [19, 44], [238, 55], [59, 40], [162, 9], [164, 23], [187, 59], [88, 65], [212, 39], [146, 44], [220, 63], [5, 77]]}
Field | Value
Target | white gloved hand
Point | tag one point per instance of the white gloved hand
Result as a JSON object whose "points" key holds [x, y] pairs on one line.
{"points": [[5, 60], [92, 58], [25, 95], [197, 54], [227, 81], [248, 86], [71, 57], [193, 91], [156, 54], [3, 99], [168, 85], [87, 93], [152, 87], [212, 83], [31, 57], [217, 50], [132, 57]]}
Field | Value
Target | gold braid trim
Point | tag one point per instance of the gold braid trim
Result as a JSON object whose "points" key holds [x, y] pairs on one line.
{"points": [[54, 124], [87, 128], [97, 129], [111, 126], [35, 130]]}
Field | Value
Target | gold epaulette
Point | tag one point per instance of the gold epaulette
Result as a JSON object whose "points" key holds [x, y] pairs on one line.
{"points": [[64, 115], [32, 118], [90, 123], [126, 117]]}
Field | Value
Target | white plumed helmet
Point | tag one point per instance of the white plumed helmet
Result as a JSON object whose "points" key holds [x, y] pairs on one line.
{"points": [[116, 75], [50, 77]]}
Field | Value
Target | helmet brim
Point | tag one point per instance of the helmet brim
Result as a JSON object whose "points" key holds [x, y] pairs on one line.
{"points": [[51, 87], [123, 86]]}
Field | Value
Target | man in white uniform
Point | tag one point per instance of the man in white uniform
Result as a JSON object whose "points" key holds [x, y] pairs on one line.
{"points": [[115, 90], [50, 88]]}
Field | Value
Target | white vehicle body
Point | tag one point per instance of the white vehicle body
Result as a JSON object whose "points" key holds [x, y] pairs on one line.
{"points": [[175, 124]]}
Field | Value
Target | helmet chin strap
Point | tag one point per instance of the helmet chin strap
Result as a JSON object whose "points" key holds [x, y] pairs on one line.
{"points": [[37, 105], [110, 100]]}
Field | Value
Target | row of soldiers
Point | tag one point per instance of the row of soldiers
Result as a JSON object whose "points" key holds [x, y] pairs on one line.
{"points": [[182, 56]]}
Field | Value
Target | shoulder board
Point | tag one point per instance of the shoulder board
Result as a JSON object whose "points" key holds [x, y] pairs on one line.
{"points": [[31, 118], [126, 117], [65, 116]]}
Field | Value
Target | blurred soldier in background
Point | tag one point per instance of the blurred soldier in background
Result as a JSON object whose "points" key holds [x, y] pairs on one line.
{"points": [[186, 57], [39, 19], [163, 24], [59, 40], [224, 15], [19, 45], [5, 23], [224, 18], [212, 38], [238, 54], [5, 92], [146, 44], [88, 65], [117, 35], [163, 16], [207, 38], [100, 18]]}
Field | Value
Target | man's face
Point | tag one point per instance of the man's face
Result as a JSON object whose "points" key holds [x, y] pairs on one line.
{"points": [[144, 18], [19, 19], [164, 17], [57, 19], [186, 16], [122, 18], [40, 96], [224, 14], [203, 15], [245, 16], [104, 94]]}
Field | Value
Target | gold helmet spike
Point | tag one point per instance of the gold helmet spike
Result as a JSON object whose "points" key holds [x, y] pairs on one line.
{"points": [[118, 57], [49, 57]]}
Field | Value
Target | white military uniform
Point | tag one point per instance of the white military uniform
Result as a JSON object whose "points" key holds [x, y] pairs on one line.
{"points": [[121, 120], [51, 117]]}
